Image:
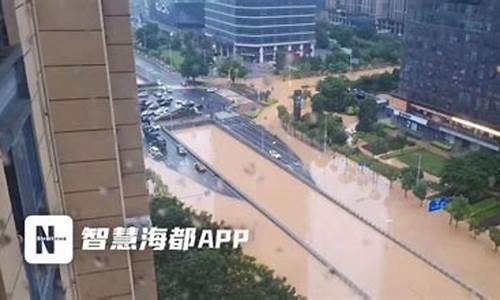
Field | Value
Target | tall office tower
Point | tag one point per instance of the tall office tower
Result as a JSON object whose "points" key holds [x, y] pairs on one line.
{"points": [[385, 15], [362, 12], [452, 58], [182, 14], [395, 17], [258, 29], [70, 144]]}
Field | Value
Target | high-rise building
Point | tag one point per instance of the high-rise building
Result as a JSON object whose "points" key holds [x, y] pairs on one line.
{"points": [[451, 68], [70, 144], [258, 29], [394, 19], [385, 15], [181, 14]]}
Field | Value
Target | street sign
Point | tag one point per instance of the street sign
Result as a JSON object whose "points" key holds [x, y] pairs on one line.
{"points": [[438, 203]]}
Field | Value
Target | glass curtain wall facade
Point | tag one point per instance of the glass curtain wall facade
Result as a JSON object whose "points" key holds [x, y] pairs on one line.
{"points": [[452, 58], [256, 28]]}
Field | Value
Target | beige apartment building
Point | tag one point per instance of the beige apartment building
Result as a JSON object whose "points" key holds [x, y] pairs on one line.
{"points": [[70, 143]]}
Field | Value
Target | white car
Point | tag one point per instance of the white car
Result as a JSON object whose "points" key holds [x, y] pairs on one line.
{"points": [[274, 154], [155, 152], [211, 90], [154, 106]]}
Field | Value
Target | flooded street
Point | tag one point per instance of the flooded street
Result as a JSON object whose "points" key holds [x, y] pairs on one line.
{"points": [[267, 243], [371, 196], [380, 267]]}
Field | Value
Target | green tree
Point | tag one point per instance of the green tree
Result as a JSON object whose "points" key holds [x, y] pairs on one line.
{"points": [[147, 35], [476, 226], [280, 62], [337, 61], [472, 175], [366, 31], [223, 273], [193, 65], [344, 35], [367, 115], [459, 209], [282, 111], [495, 237], [385, 82], [409, 178], [322, 35], [333, 95], [234, 68], [420, 191]]}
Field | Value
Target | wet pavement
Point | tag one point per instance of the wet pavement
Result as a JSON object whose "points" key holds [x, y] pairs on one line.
{"points": [[380, 267]]}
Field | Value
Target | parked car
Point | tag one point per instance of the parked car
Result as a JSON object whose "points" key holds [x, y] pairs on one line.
{"points": [[199, 167], [274, 154], [162, 102], [154, 106], [181, 150], [155, 152], [211, 90]]}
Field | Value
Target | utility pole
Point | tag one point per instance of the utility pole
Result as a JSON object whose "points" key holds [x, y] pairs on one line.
{"points": [[325, 137], [418, 168]]}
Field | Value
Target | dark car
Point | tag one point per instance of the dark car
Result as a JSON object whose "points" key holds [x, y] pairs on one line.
{"points": [[200, 168]]}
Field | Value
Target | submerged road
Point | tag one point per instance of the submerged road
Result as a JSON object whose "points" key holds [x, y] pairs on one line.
{"points": [[377, 264]]}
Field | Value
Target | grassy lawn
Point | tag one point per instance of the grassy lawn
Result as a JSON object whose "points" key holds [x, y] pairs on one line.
{"points": [[375, 165], [253, 114], [431, 163], [484, 206], [177, 57], [370, 138]]}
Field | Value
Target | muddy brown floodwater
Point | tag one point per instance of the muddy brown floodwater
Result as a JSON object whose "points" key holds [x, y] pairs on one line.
{"points": [[380, 267], [267, 243], [371, 195]]}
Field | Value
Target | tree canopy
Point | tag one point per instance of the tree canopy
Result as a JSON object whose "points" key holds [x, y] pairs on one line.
{"points": [[193, 65], [495, 236], [367, 115], [409, 178], [377, 83], [209, 273], [459, 209], [234, 68], [333, 95], [472, 175]]}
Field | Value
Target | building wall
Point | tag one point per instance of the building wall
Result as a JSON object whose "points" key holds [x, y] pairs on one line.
{"points": [[81, 78], [385, 14], [451, 58], [257, 22]]}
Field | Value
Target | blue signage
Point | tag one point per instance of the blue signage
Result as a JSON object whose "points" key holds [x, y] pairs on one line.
{"points": [[438, 204]]}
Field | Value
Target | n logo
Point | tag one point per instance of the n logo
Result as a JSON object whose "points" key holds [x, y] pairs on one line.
{"points": [[48, 239], [45, 240]]}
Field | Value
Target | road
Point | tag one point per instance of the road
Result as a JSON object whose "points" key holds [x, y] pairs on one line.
{"points": [[379, 264], [263, 141], [151, 70], [184, 164], [212, 103]]}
